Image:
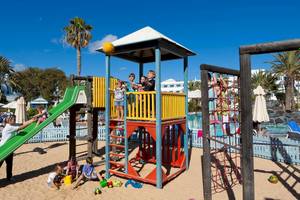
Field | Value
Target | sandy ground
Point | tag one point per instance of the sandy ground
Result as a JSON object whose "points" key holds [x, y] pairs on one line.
{"points": [[33, 162]]}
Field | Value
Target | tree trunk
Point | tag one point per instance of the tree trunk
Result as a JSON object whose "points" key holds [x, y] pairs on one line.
{"points": [[289, 94], [78, 61]]}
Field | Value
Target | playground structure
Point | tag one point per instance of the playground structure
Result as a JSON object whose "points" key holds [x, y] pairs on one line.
{"points": [[158, 118], [217, 172]]}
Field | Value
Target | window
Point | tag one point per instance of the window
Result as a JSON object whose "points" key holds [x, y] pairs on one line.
{"points": [[171, 86], [178, 85]]}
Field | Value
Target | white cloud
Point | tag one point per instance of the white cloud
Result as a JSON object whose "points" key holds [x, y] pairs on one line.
{"points": [[93, 46], [19, 67], [60, 41]]}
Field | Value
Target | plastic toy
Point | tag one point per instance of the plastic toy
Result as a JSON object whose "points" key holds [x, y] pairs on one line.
{"points": [[68, 180], [273, 179], [117, 183], [103, 183], [134, 184], [109, 184], [97, 191], [108, 47]]}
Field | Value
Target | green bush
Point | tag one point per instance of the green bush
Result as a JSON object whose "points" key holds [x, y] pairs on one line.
{"points": [[31, 112]]}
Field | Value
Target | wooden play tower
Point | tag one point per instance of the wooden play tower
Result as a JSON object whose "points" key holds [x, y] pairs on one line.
{"points": [[157, 118]]}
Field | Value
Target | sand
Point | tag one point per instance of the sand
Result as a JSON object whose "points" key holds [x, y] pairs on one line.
{"points": [[33, 162]]}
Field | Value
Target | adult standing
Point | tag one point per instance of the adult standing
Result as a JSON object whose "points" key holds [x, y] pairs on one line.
{"points": [[8, 132]]}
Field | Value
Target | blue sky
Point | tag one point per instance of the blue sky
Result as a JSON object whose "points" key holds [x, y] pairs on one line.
{"points": [[31, 31]]}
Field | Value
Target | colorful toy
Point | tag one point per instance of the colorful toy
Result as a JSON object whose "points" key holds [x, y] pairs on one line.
{"points": [[109, 184], [68, 180], [134, 184], [97, 191], [103, 183], [117, 183], [273, 179], [108, 47]]}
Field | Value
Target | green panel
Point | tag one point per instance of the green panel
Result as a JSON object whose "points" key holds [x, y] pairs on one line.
{"points": [[18, 140]]}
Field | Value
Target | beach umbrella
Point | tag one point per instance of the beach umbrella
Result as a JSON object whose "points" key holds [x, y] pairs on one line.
{"points": [[260, 113], [20, 111], [11, 105]]}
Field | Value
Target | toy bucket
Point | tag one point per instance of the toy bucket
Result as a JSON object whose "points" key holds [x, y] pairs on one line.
{"points": [[68, 180]]}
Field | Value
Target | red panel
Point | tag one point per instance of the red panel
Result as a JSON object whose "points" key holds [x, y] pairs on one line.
{"points": [[132, 171], [152, 175]]}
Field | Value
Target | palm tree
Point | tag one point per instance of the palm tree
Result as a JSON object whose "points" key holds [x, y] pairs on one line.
{"points": [[287, 64], [266, 80], [6, 74], [78, 35]]}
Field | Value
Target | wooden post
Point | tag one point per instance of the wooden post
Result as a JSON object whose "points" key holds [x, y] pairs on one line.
{"points": [[158, 119], [246, 128], [72, 132], [95, 130], [88, 92], [107, 114], [186, 134], [141, 71], [206, 162]]}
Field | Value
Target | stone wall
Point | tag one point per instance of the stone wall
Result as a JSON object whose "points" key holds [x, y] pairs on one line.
{"points": [[279, 116]]}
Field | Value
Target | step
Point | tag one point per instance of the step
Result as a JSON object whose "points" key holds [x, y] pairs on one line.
{"points": [[117, 145], [117, 163], [117, 127], [117, 120], [117, 155], [116, 136]]}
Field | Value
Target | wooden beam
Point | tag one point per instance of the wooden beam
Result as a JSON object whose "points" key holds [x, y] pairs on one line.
{"points": [[271, 47], [246, 128], [221, 70], [134, 47], [206, 160], [72, 132], [174, 49], [95, 130]]}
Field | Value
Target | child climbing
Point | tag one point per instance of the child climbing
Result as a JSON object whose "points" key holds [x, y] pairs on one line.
{"points": [[119, 100], [42, 114], [55, 178], [88, 173]]}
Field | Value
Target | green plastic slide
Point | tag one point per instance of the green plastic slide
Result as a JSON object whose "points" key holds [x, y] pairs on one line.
{"points": [[23, 136]]}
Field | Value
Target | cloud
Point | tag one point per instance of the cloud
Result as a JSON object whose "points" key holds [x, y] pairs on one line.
{"points": [[60, 41], [93, 46], [19, 67]]}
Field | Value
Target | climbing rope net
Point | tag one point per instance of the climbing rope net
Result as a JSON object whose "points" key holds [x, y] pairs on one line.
{"points": [[224, 130]]}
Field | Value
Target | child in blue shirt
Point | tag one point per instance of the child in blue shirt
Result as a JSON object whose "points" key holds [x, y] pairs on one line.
{"points": [[88, 173]]}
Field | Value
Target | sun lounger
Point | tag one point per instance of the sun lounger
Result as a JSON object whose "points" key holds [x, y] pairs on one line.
{"points": [[294, 132]]}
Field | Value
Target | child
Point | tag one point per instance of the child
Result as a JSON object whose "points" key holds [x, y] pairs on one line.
{"points": [[119, 100], [88, 173], [72, 168], [131, 85], [151, 84], [143, 83], [55, 178], [42, 115], [8, 132]]}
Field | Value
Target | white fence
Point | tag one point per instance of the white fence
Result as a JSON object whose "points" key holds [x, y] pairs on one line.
{"points": [[277, 149]]}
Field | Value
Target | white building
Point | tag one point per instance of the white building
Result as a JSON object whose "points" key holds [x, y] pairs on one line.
{"points": [[280, 83], [171, 85]]}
